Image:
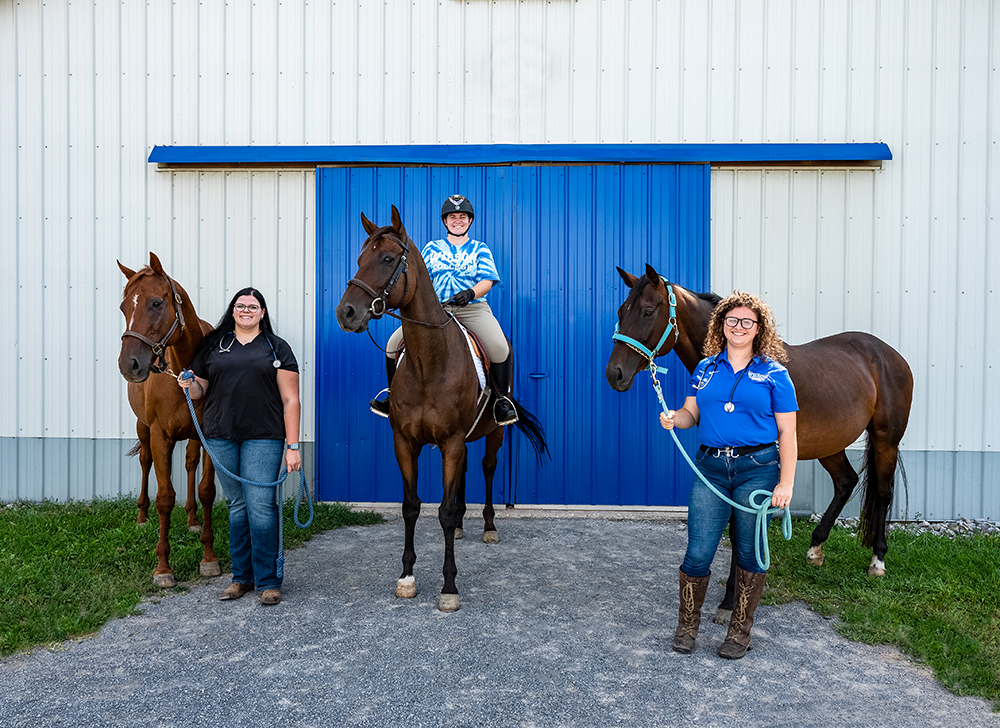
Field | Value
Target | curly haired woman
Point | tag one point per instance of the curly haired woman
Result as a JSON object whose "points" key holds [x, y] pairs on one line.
{"points": [[743, 402]]}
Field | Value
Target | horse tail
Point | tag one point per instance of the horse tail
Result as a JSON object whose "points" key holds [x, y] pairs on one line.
{"points": [[135, 450], [873, 504], [531, 428]]}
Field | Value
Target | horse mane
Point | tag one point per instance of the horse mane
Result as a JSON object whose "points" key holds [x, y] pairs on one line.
{"points": [[144, 271], [708, 297]]}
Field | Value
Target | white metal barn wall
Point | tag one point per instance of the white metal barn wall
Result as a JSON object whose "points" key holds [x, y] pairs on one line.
{"points": [[87, 88]]}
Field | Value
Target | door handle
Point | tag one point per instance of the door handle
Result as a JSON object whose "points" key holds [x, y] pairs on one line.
{"points": [[538, 375]]}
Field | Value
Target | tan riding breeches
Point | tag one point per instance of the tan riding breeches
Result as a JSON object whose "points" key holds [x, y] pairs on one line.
{"points": [[480, 319]]}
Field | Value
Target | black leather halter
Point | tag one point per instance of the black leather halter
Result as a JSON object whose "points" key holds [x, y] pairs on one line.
{"points": [[160, 347], [379, 305]]}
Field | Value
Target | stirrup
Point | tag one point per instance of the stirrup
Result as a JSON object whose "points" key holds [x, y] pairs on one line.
{"points": [[510, 419], [380, 406]]}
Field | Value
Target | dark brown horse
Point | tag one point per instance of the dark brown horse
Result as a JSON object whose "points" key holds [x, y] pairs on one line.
{"points": [[846, 384], [162, 331], [435, 391]]}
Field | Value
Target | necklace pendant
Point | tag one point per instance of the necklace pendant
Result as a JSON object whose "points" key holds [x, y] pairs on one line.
{"points": [[729, 407]]}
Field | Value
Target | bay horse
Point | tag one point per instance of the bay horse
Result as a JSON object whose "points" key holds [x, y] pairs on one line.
{"points": [[161, 335], [846, 384], [435, 391]]}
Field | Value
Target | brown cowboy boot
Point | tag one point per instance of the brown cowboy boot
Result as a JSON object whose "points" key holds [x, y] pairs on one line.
{"points": [[689, 616], [749, 587]]}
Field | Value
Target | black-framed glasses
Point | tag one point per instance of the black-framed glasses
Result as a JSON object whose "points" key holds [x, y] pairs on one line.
{"points": [[252, 308], [746, 323]]}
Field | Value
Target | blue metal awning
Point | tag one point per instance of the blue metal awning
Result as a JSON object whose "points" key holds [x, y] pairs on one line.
{"points": [[512, 154]]}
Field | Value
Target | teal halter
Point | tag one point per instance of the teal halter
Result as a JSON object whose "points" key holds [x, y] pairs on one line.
{"points": [[641, 348]]}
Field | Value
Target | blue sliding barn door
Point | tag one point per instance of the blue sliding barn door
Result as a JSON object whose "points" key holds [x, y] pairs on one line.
{"points": [[557, 234]]}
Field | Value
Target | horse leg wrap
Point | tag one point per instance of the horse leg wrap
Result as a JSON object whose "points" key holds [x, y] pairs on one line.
{"points": [[749, 587], [689, 615]]}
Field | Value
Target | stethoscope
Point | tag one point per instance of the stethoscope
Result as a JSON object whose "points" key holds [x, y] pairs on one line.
{"points": [[276, 363], [728, 406]]}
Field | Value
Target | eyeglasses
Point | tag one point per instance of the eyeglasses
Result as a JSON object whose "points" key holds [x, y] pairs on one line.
{"points": [[254, 308], [747, 323]]}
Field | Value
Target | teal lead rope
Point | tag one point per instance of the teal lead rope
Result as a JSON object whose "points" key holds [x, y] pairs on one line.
{"points": [[303, 488], [758, 499]]}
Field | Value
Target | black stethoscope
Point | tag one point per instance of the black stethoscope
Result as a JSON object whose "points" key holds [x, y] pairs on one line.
{"points": [[728, 406], [276, 363]]}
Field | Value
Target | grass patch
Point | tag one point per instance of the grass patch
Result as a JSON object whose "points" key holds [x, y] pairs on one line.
{"points": [[939, 603], [66, 569]]}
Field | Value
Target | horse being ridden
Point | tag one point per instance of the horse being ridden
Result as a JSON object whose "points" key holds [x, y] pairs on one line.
{"points": [[435, 392], [846, 384], [162, 332]]}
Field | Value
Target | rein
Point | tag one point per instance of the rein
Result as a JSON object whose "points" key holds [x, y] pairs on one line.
{"points": [[160, 347], [759, 499], [379, 304]]}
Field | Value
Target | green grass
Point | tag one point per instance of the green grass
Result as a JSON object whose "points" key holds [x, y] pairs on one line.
{"points": [[939, 603], [66, 569]]}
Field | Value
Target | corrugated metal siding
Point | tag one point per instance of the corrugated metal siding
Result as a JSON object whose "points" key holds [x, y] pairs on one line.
{"points": [[557, 234], [87, 88]]}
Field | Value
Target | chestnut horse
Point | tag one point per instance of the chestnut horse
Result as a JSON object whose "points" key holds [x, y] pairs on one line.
{"points": [[435, 398], [162, 332], [846, 384]]}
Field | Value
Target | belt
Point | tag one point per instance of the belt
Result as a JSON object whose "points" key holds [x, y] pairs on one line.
{"points": [[733, 452]]}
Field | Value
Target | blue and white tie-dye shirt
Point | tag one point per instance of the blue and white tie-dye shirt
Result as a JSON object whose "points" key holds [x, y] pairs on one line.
{"points": [[454, 268]]}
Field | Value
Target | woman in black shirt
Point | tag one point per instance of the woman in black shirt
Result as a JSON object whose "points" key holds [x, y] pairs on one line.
{"points": [[250, 380]]}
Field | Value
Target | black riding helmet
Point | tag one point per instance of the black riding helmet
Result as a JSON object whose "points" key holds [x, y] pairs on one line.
{"points": [[457, 203]]}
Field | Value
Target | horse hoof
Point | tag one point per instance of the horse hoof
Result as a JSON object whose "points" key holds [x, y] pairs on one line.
{"points": [[406, 588], [164, 581], [491, 537], [722, 616], [458, 534], [194, 529], [877, 567], [448, 603], [815, 556], [209, 568], [141, 524]]}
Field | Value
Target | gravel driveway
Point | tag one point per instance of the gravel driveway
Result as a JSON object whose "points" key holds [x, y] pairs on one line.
{"points": [[566, 622]]}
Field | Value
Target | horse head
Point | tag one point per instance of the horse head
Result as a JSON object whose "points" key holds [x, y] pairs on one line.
{"points": [[647, 317], [382, 261], [151, 306]]}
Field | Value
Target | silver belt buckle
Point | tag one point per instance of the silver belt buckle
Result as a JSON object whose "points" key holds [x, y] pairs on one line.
{"points": [[730, 452]]}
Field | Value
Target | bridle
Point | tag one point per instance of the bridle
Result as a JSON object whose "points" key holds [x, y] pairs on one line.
{"points": [[642, 349], [160, 347], [379, 305]]}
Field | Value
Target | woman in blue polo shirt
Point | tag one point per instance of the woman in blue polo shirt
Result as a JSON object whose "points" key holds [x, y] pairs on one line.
{"points": [[462, 272], [743, 402]]}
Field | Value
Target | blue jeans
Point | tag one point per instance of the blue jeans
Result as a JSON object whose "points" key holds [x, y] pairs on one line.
{"points": [[736, 478], [253, 510]]}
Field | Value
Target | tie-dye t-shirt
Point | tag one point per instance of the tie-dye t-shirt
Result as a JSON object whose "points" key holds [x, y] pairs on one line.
{"points": [[454, 268]]}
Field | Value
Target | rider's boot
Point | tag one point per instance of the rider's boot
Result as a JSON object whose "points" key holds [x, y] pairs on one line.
{"points": [[503, 409], [381, 406]]}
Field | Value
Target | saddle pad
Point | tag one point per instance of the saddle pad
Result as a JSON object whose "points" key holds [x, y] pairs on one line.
{"points": [[475, 357]]}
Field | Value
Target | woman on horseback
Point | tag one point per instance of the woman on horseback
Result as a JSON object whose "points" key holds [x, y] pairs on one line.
{"points": [[462, 272]]}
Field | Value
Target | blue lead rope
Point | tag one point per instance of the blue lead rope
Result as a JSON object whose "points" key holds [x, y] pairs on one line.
{"points": [[758, 499], [303, 488]]}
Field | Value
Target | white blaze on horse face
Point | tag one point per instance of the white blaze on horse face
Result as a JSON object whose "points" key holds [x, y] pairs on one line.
{"points": [[135, 305]]}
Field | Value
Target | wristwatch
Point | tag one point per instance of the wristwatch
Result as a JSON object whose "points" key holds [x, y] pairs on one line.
{"points": [[293, 446]]}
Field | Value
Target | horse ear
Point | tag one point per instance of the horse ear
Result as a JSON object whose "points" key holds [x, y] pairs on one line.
{"points": [[397, 223], [368, 225], [127, 272], [652, 275], [627, 277], [154, 263]]}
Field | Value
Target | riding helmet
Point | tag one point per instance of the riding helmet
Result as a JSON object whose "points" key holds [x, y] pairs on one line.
{"points": [[457, 203]]}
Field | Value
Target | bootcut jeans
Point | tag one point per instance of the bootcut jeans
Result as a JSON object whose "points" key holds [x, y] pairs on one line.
{"points": [[253, 510]]}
